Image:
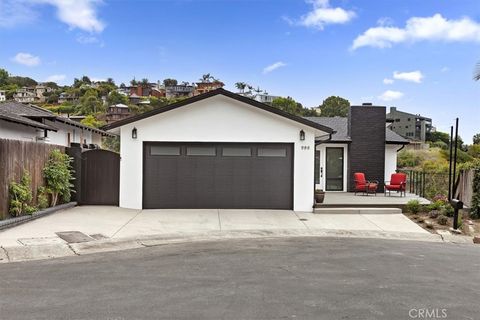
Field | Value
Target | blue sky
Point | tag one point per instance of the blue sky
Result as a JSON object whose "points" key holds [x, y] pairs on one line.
{"points": [[416, 55]]}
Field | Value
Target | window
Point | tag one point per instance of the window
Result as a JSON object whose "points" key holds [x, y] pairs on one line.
{"points": [[406, 127], [408, 119], [236, 152], [272, 152], [164, 151], [201, 151], [397, 120]]}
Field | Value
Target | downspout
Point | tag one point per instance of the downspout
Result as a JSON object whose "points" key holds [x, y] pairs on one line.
{"points": [[319, 142]]}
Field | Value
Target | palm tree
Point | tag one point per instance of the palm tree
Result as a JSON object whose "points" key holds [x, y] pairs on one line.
{"points": [[133, 82], [206, 77], [145, 83], [476, 74], [241, 86]]}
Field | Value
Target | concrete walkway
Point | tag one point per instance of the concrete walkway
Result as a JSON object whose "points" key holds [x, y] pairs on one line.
{"points": [[104, 222]]}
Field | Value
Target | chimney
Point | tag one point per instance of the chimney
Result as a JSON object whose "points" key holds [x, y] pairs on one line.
{"points": [[366, 128]]}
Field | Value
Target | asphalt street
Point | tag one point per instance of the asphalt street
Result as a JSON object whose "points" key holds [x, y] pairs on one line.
{"points": [[288, 278]]}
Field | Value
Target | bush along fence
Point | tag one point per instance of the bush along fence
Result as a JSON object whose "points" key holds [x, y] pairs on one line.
{"points": [[31, 176]]}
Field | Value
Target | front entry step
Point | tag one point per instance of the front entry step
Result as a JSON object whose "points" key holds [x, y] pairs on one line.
{"points": [[350, 210]]}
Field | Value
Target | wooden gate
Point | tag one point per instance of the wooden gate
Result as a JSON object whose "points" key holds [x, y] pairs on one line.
{"points": [[100, 177]]}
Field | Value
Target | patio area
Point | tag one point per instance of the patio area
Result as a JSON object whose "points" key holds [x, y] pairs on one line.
{"points": [[349, 199]]}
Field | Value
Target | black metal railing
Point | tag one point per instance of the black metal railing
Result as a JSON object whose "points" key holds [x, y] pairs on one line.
{"points": [[426, 184]]}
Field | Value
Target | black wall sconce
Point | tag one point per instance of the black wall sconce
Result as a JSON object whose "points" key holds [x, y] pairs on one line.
{"points": [[302, 135], [134, 133]]}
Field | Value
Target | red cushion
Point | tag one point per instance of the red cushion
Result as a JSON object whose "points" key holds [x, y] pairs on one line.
{"points": [[395, 187], [398, 178], [359, 178], [363, 187]]}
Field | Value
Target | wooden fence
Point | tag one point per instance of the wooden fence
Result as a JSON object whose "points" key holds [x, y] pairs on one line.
{"points": [[17, 156]]}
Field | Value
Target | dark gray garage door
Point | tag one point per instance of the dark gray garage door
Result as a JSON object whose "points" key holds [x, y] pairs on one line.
{"points": [[213, 175]]}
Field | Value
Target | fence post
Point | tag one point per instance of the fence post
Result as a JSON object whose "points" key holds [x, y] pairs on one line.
{"points": [[423, 184]]}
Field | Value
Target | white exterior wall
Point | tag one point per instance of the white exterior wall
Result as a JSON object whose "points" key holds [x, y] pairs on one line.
{"points": [[76, 134], [391, 159], [216, 119], [14, 131], [323, 164]]}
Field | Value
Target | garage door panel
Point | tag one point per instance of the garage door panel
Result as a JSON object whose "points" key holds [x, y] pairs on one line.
{"points": [[200, 176]]}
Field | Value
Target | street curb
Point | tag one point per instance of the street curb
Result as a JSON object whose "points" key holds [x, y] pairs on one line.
{"points": [[26, 253], [13, 222]]}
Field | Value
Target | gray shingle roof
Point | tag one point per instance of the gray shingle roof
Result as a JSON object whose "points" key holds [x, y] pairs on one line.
{"points": [[11, 117], [340, 125], [25, 113]]}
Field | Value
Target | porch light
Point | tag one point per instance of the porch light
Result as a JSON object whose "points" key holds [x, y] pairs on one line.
{"points": [[302, 135], [134, 133]]}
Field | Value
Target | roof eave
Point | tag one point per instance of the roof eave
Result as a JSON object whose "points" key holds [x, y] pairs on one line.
{"points": [[213, 93]]}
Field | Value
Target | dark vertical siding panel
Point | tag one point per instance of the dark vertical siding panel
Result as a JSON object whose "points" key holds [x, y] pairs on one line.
{"points": [[367, 149]]}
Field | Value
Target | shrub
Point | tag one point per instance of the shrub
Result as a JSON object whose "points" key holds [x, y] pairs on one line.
{"points": [[42, 198], [436, 205], [58, 176], [413, 206], [442, 220], [448, 210], [21, 196]]}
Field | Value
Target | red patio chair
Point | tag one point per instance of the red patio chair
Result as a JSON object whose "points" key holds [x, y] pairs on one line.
{"points": [[398, 182], [363, 185]]}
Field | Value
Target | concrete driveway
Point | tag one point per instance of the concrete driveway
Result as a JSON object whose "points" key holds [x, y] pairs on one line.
{"points": [[113, 222]]}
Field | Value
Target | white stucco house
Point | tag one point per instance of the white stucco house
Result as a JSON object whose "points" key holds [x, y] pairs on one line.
{"points": [[26, 122], [223, 150]]}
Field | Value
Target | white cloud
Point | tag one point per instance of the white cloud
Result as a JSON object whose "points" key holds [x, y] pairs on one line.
{"points": [[81, 14], [390, 95], [435, 28], [322, 14], [388, 81], [273, 67], [87, 39], [26, 59], [445, 69], [57, 78], [413, 76], [13, 13]]}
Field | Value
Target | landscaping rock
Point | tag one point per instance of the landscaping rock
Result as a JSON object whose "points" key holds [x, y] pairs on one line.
{"points": [[442, 220], [476, 239], [429, 224], [434, 214]]}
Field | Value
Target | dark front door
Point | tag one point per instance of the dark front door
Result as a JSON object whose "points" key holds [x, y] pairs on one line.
{"points": [[334, 168], [218, 175]]}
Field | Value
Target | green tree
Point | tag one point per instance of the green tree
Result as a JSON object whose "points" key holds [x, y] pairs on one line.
{"points": [[241, 86], [92, 121], [438, 136], [22, 81], [115, 98], [476, 75], [86, 80], [133, 82], [474, 150], [476, 139], [170, 82], [90, 103], [334, 106], [145, 83], [288, 105], [3, 77]]}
